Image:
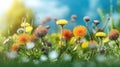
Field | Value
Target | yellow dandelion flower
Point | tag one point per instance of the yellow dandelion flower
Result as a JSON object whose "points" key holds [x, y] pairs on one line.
{"points": [[28, 29], [23, 38], [100, 34], [85, 44], [62, 22], [25, 24]]}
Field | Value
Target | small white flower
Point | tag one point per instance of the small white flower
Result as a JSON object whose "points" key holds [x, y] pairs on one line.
{"points": [[35, 61], [25, 59], [67, 57], [101, 58], [43, 58], [53, 55], [12, 54], [30, 45]]}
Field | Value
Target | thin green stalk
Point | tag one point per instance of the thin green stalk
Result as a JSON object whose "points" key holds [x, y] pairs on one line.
{"points": [[117, 43], [89, 31], [61, 34]]}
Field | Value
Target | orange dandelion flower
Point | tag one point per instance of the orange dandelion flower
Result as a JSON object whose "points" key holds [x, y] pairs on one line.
{"points": [[67, 34], [15, 47], [79, 31], [23, 38]]}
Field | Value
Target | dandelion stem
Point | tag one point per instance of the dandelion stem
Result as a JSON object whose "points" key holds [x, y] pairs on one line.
{"points": [[94, 28], [101, 43], [89, 31], [42, 39], [117, 43], [61, 33]]}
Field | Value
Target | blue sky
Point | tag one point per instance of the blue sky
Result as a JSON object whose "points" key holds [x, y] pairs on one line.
{"points": [[64, 9]]}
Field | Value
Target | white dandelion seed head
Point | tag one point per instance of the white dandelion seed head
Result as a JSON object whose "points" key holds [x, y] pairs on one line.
{"points": [[35, 61], [53, 55], [67, 57], [101, 58], [25, 59], [30, 45], [43, 58], [12, 54]]}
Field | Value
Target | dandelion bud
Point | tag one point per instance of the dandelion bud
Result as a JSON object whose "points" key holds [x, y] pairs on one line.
{"points": [[49, 44], [55, 19], [96, 22], [114, 34], [73, 17], [43, 48], [41, 31], [86, 18]]}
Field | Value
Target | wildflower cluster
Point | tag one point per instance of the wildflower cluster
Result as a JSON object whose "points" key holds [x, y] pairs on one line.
{"points": [[81, 43]]}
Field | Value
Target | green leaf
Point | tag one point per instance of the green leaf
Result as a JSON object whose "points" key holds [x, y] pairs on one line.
{"points": [[101, 15]]}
